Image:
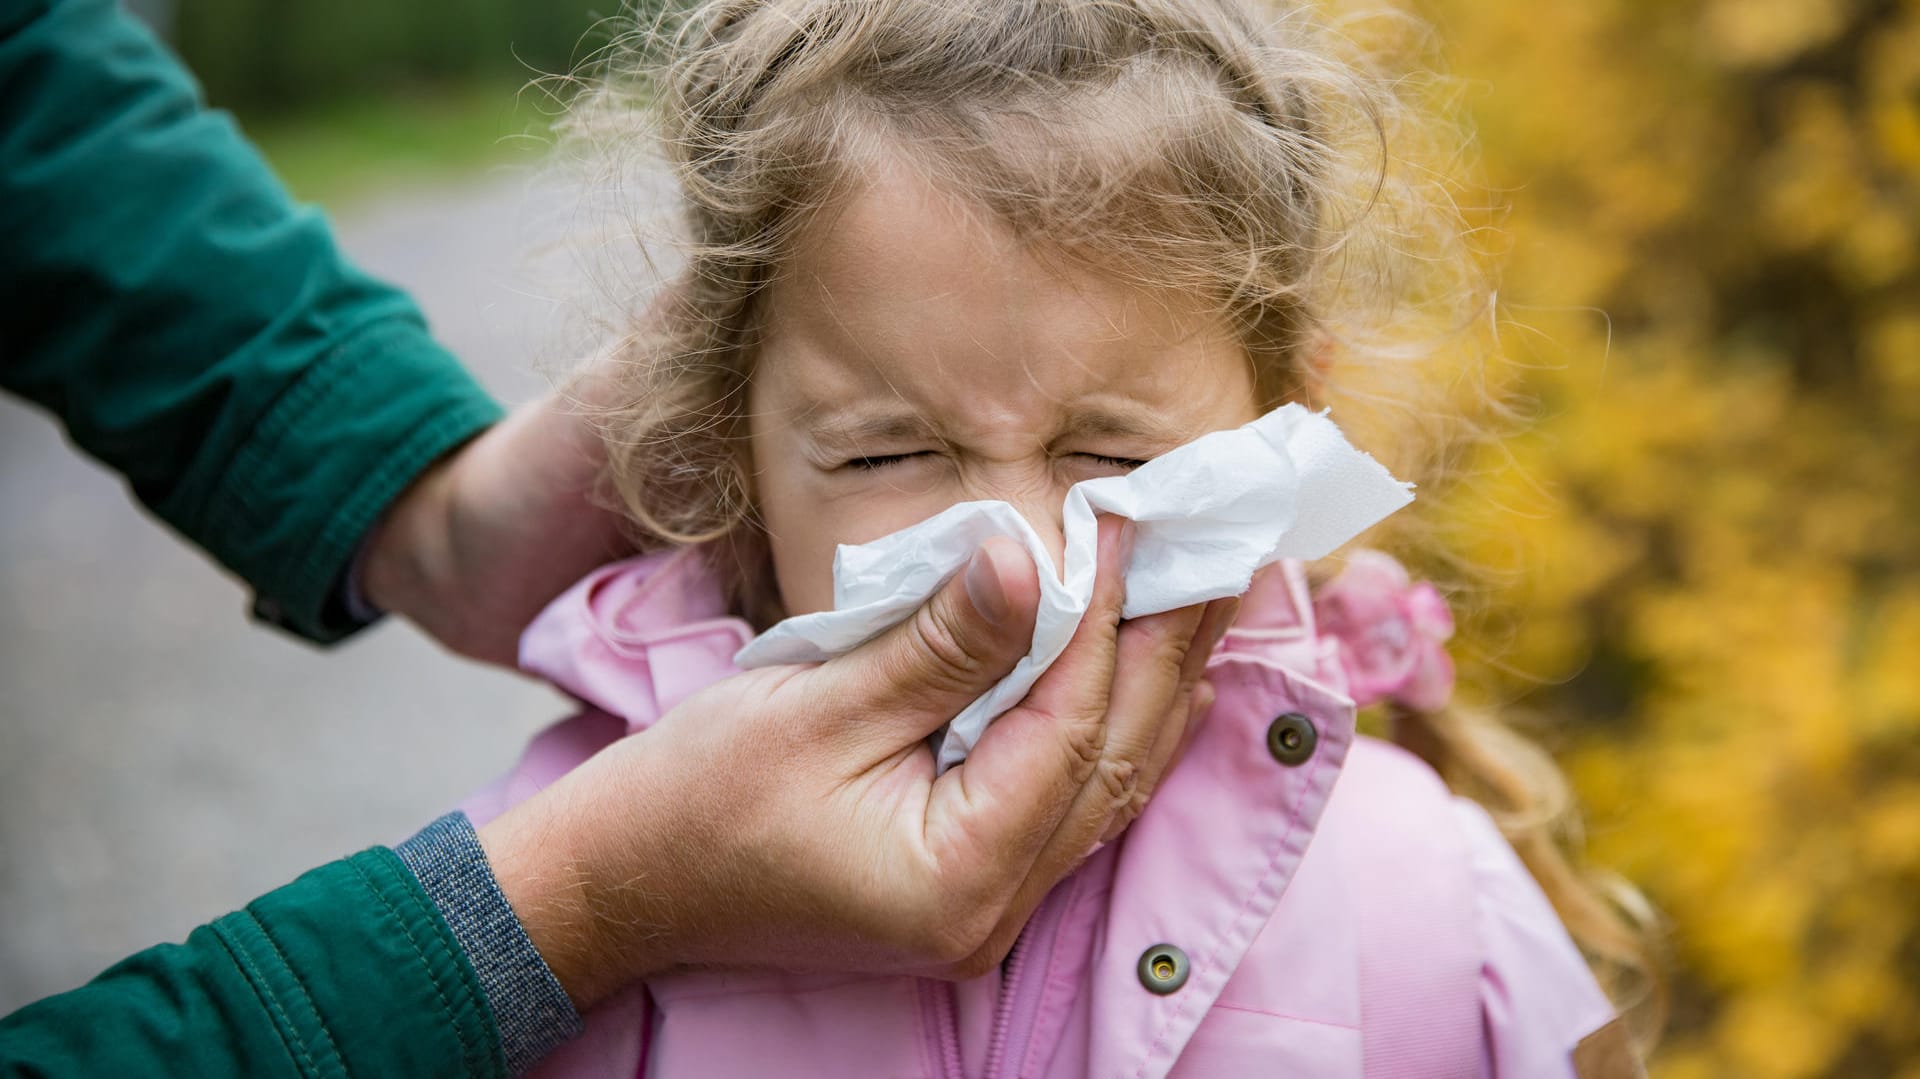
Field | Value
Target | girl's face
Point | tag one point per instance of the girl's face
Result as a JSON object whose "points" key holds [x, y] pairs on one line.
{"points": [[915, 355]]}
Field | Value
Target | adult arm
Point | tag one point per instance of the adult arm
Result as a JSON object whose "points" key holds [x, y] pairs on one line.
{"points": [[349, 970], [787, 816], [195, 330]]}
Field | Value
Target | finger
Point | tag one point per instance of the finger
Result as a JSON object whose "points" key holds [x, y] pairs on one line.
{"points": [[1147, 690], [1152, 682], [1062, 857], [1160, 657], [1221, 614], [1220, 617], [1148, 681], [1195, 719], [918, 675], [1027, 783], [1171, 736], [1078, 682], [1201, 684], [1167, 750], [1178, 734], [1005, 801]]}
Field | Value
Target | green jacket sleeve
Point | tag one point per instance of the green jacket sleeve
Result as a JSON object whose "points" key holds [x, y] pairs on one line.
{"points": [[349, 970], [193, 328]]}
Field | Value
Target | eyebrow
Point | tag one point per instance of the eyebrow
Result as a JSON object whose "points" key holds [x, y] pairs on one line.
{"points": [[852, 431], [1124, 420]]}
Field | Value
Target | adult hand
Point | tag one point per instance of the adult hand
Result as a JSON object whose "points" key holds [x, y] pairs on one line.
{"points": [[485, 538], [790, 817]]}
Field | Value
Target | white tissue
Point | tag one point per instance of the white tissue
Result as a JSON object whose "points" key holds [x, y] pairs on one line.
{"points": [[1207, 514]]}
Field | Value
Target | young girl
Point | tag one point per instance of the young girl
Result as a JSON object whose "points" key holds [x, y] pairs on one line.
{"points": [[945, 251]]}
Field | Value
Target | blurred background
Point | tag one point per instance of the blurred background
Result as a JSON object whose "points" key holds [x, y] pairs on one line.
{"points": [[1709, 533], [162, 758]]}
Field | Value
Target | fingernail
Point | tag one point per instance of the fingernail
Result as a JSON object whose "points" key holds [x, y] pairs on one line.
{"points": [[984, 588], [1227, 615], [1126, 540]]}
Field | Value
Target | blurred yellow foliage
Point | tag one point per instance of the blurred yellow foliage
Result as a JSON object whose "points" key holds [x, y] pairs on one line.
{"points": [[1714, 526]]}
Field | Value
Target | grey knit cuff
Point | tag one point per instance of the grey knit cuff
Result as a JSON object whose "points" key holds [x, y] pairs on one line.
{"points": [[529, 1006]]}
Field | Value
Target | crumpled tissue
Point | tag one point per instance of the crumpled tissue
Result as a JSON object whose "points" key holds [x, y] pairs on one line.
{"points": [[1207, 515]]}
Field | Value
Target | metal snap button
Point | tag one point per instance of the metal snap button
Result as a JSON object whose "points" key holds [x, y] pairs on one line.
{"points": [[1163, 969], [1291, 739]]}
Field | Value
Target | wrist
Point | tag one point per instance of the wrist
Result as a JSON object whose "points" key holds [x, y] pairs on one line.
{"points": [[531, 1010], [593, 887], [408, 545]]}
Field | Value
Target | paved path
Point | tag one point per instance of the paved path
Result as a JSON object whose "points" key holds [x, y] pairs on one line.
{"points": [[163, 760]]}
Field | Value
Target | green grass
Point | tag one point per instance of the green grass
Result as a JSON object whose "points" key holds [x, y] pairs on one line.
{"points": [[337, 153]]}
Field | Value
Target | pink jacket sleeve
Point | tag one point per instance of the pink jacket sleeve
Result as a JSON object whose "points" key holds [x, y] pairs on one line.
{"points": [[1536, 992]]}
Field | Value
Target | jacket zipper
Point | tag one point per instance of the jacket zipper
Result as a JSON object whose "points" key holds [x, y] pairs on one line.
{"points": [[943, 1022], [1003, 1013], [1022, 990]]}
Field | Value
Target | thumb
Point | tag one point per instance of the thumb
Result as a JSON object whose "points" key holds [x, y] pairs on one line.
{"points": [[918, 675]]}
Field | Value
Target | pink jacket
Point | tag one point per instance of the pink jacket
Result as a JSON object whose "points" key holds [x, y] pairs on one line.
{"points": [[1294, 901]]}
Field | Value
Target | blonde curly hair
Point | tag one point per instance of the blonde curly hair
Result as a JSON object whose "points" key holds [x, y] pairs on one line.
{"points": [[1248, 156]]}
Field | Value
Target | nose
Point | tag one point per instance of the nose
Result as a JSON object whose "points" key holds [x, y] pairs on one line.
{"points": [[1039, 499], [1046, 520]]}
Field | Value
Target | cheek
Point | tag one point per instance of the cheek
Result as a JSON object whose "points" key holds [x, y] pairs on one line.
{"points": [[795, 536], [807, 513], [802, 552], [804, 531]]}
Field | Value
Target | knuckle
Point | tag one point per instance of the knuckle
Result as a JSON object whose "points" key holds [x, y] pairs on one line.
{"points": [[1171, 659], [1086, 742], [1118, 779], [1174, 640], [1158, 640], [1131, 807], [954, 666]]}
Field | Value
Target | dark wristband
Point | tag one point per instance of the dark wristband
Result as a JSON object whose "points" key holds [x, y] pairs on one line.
{"points": [[529, 1006]]}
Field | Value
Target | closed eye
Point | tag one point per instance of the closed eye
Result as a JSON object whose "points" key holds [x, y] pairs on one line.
{"points": [[869, 464], [1128, 463], [884, 460]]}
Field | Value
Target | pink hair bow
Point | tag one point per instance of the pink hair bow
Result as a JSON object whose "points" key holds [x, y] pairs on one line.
{"points": [[1390, 633]]}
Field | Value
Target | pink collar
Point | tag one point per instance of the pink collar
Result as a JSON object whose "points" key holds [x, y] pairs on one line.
{"points": [[637, 637]]}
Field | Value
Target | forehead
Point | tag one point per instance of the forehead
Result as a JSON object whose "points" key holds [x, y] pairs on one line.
{"points": [[907, 292]]}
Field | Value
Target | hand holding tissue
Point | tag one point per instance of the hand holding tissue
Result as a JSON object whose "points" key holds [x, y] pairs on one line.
{"points": [[1206, 515]]}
